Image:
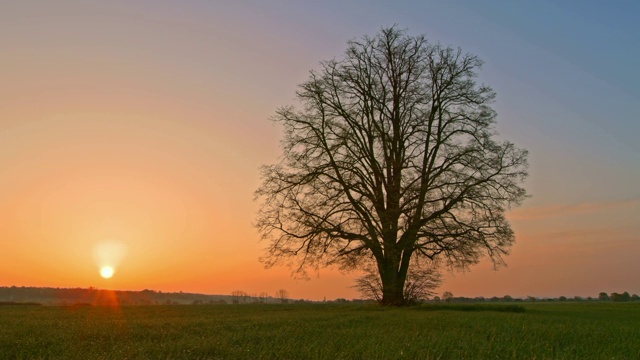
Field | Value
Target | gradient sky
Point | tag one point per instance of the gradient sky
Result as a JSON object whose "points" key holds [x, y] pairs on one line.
{"points": [[144, 124]]}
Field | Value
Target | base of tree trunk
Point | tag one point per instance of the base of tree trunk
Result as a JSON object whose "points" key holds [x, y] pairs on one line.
{"points": [[393, 301]]}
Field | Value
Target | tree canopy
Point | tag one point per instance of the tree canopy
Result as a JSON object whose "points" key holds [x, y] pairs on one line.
{"points": [[391, 161]]}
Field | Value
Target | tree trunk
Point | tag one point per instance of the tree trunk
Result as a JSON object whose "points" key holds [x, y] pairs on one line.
{"points": [[393, 287]]}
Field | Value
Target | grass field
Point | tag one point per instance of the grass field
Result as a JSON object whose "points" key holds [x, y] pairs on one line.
{"points": [[319, 331]]}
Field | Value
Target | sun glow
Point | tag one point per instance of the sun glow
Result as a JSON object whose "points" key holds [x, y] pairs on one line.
{"points": [[106, 272], [108, 256]]}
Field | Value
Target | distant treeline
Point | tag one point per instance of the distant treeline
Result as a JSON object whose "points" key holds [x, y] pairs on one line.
{"points": [[91, 296], [618, 297], [448, 297], [9, 303], [15, 295]]}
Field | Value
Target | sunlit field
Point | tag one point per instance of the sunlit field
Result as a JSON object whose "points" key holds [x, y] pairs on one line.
{"points": [[318, 331]]}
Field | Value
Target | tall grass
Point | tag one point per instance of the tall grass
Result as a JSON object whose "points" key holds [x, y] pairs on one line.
{"points": [[541, 331]]}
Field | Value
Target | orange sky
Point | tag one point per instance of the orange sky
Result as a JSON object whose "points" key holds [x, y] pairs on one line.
{"points": [[146, 126]]}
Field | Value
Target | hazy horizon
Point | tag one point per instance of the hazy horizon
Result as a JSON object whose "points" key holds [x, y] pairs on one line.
{"points": [[143, 126]]}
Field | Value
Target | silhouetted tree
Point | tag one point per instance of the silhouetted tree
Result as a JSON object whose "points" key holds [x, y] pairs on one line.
{"points": [[282, 295], [391, 157], [239, 296], [369, 286], [447, 296], [263, 297], [603, 296], [620, 297]]}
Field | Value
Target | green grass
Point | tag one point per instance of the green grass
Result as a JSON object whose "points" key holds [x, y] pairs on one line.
{"points": [[528, 331]]}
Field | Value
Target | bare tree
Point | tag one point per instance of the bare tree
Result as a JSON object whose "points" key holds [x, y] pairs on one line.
{"points": [[282, 295], [421, 282], [239, 296], [369, 285], [391, 157]]}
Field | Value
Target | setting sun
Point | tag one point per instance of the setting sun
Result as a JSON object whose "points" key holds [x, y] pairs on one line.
{"points": [[108, 255], [106, 272]]}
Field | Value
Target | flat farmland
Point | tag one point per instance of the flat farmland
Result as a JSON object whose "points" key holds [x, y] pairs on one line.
{"points": [[583, 330]]}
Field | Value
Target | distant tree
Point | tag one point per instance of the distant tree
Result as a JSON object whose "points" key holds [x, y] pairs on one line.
{"points": [[239, 296], [264, 296], [447, 296], [254, 298], [603, 296], [282, 295], [392, 157], [635, 297], [562, 298], [532, 299], [620, 297], [507, 298], [577, 298]]}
